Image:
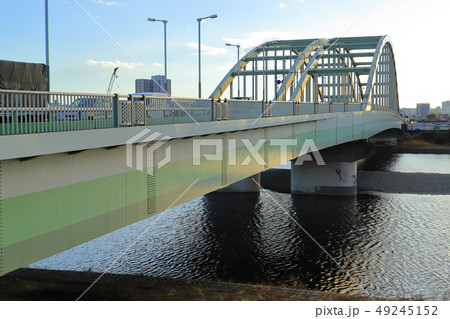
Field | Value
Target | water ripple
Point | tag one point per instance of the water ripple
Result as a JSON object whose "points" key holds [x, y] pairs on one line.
{"points": [[393, 245]]}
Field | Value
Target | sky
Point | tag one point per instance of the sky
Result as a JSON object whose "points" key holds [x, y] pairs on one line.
{"points": [[89, 38]]}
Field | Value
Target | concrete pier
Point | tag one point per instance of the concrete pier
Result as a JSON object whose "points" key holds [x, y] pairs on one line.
{"points": [[333, 178]]}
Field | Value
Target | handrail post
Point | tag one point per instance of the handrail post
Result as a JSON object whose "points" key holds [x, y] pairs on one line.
{"points": [[131, 99], [224, 110], [144, 110], [213, 110], [116, 110]]}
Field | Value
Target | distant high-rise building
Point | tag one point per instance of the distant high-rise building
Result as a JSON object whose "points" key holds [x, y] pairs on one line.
{"points": [[142, 85], [409, 112], [157, 84], [423, 109], [446, 107]]}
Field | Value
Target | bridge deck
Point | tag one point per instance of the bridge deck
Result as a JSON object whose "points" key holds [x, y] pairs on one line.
{"points": [[24, 112]]}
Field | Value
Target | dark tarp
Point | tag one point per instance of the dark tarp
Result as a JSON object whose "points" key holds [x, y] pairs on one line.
{"points": [[22, 76]]}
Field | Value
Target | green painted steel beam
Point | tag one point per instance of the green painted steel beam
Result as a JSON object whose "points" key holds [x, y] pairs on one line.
{"points": [[272, 57], [349, 55], [261, 72], [289, 43], [359, 70], [354, 46], [296, 49], [369, 39]]}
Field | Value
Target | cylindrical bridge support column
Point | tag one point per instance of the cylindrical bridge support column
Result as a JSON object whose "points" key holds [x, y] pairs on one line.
{"points": [[247, 185], [333, 178]]}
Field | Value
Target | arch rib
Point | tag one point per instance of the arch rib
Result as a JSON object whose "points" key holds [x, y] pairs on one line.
{"points": [[306, 76], [223, 85], [301, 60], [373, 70]]}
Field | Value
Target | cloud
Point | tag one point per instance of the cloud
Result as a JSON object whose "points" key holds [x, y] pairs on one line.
{"points": [[108, 3], [208, 50], [113, 64], [283, 5], [158, 65], [256, 38]]}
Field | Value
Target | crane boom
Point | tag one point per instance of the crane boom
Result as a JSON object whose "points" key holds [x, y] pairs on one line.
{"points": [[111, 82]]}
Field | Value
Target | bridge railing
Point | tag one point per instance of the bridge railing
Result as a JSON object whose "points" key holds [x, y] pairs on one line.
{"points": [[26, 112], [166, 110]]}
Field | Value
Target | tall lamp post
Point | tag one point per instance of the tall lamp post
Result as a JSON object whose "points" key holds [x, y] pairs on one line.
{"points": [[238, 66], [47, 58], [165, 48], [213, 16], [264, 67]]}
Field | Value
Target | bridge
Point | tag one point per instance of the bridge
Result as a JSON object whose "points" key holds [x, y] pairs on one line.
{"points": [[75, 166]]}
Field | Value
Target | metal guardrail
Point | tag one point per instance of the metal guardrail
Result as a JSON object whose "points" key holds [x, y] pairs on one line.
{"points": [[166, 110], [26, 112]]}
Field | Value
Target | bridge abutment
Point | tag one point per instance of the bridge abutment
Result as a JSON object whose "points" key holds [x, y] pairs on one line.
{"points": [[247, 185]]}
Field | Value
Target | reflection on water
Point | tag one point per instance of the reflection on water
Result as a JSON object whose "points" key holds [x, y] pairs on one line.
{"points": [[392, 245], [407, 163]]}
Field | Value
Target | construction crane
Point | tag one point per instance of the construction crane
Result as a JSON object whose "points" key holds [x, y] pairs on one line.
{"points": [[111, 82]]}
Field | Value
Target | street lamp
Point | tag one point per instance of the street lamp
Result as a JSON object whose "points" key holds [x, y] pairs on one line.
{"points": [[237, 46], [47, 58], [264, 67], [165, 49], [213, 16]]}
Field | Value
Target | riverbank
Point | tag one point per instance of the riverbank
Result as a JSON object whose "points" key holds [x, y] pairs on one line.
{"points": [[414, 147], [279, 180], [428, 142], [41, 285]]}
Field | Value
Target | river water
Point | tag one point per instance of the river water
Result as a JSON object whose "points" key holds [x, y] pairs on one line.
{"points": [[383, 245]]}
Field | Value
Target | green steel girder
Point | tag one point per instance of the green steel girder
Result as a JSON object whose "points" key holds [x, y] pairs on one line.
{"points": [[349, 55], [359, 70], [261, 72], [353, 46], [352, 59], [272, 57], [356, 56]]}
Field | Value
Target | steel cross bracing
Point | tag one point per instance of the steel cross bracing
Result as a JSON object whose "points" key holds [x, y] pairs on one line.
{"points": [[337, 70]]}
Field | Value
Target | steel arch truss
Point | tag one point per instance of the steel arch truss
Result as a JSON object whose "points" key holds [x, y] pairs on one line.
{"points": [[338, 70]]}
